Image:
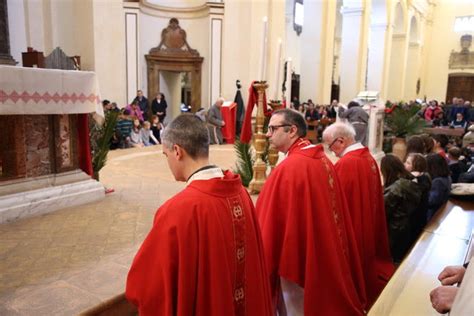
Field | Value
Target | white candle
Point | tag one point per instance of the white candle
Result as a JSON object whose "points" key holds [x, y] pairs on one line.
{"points": [[263, 50], [288, 83], [277, 70]]}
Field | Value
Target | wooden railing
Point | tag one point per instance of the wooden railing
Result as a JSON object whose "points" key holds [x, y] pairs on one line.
{"points": [[446, 240]]}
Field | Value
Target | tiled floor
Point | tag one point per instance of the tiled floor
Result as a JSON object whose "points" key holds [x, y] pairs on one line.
{"points": [[67, 261]]}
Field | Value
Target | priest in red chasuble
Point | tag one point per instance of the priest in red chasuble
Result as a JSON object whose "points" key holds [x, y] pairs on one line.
{"points": [[204, 253], [359, 176], [306, 230]]}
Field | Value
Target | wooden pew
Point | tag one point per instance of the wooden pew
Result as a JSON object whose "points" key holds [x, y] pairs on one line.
{"points": [[444, 241]]}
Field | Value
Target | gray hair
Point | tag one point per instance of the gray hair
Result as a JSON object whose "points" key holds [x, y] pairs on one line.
{"points": [[190, 133], [293, 117], [336, 130]]}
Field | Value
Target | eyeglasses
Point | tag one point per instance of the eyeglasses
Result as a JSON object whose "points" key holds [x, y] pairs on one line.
{"points": [[272, 128], [333, 142]]}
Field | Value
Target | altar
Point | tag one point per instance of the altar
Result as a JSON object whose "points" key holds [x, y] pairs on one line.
{"points": [[42, 147]]}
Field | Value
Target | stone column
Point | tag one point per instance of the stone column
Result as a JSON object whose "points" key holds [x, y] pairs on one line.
{"points": [[132, 56], [398, 63], [413, 70], [311, 60], [216, 21], [5, 55], [353, 50], [375, 64]]}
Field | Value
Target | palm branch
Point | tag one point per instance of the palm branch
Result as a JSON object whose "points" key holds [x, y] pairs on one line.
{"points": [[244, 162], [106, 131]]}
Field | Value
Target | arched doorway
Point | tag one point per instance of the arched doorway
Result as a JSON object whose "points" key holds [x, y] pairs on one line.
{"points": [[171, 61]]}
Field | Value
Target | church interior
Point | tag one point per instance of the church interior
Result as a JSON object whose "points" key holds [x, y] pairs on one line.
{"points": [[67, 240]]}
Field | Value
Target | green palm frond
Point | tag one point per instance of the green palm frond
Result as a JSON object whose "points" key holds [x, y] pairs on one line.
{"points": [[244, 162], [404, 121], [105, 132]]}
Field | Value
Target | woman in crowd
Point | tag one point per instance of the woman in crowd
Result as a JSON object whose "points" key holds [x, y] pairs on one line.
{"points": [[440, 183], [135, 110], [402, 197], [158, 107]]}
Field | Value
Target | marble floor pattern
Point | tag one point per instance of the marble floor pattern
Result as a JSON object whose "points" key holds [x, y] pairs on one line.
{"points": [[72, 259]]}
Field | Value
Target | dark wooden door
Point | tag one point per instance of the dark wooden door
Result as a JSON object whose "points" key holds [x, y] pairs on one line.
{"points": [[460, 87]]}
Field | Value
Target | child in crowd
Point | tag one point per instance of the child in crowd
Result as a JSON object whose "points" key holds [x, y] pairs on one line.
{"points": [[155, 130], [123, 129], [147, 136], [416, 164], [456, 166], [459, 122], [402, 198], [440, 143], [135, 135], [440, 183]]}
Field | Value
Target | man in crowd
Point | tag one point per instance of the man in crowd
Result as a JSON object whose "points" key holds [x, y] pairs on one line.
{"points": [[203, 255], [358, 117], [359, 176], [142, 104], [306, 227], [215, 122]]}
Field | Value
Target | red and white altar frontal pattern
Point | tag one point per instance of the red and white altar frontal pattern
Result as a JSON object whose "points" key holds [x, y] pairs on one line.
{"points": [[48, 91]]}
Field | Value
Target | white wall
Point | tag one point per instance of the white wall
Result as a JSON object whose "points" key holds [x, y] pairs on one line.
{"points": [[17, 29], [443, 40], [109, 49]]}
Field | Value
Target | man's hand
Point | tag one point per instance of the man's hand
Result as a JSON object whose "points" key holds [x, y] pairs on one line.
{"points": [[442, 298], [451, 275]]}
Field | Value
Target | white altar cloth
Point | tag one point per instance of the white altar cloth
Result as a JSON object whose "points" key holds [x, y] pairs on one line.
{"points": [[26, 90]]}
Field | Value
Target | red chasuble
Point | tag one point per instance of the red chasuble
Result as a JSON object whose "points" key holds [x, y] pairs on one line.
{"points": [[360, 180], [307, 235], [203, 255]]}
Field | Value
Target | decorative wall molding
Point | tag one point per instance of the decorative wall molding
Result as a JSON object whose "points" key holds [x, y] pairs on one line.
{"points": [[181, 13]]}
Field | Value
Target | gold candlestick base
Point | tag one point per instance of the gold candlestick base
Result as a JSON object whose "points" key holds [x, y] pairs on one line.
{"points": [[260, 142]]}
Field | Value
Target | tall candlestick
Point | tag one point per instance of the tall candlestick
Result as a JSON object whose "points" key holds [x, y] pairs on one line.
{"points": [[263, 50], [277, 70], [288, 82]]}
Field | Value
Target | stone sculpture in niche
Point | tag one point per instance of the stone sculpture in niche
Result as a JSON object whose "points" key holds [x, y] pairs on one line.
{"points": [[465, 58]]}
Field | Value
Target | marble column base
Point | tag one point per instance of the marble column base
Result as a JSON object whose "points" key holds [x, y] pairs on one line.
{"points": [[57, 192]]}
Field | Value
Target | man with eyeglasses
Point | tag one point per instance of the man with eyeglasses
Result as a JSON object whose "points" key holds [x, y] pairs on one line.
{"points": [[359, 176], [306, 228]]}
